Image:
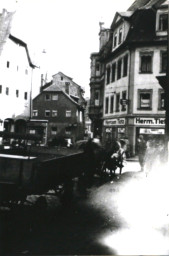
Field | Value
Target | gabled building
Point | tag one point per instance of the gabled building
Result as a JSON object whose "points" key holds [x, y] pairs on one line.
{"points": [[124, 74], [16, 70], [61, 104]]}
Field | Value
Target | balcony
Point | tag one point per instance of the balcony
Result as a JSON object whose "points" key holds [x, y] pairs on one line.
{"points": [[95, 112]]}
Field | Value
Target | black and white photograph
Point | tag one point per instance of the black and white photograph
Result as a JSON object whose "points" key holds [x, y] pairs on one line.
{"points": [[84, 127]]}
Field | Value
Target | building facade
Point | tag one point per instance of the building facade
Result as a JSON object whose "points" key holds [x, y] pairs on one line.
{"points": [[129, 60], [61, 104], [16, 71]]}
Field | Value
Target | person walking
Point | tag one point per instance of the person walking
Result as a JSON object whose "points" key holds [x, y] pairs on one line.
{"points": [[141, 149]]}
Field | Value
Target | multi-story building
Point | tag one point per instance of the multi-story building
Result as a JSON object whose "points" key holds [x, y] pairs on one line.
{"points": [[132, 54], [61, 105], [88, 132], [15, 85]]}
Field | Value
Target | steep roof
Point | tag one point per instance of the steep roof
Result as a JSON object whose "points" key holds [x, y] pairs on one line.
{"points": [[21, 43], [53, 88], [145, 4]]}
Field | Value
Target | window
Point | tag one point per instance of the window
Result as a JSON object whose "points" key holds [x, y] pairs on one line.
{"points": [[54, 113], [108, 75], [17, 93], [54, 96], [17, 68], [47, 96], [145, 99], [125, 65], [7, 64], [161, 102], [0, 88], [7, 90], [115, 40], [119, 64], [26, 71], [113, 74], [97, 67], [54, 130], [96, 98], [163, 22], [80, 117], [120, 35], [47, 113], [118, 102], [61, 77], [112, 104], [146, 62], [67, 85], [68, 113], [163, 62], [25, 95], [68, 130], [123, 98], [35, 113], [107, 106], [32, 131]]}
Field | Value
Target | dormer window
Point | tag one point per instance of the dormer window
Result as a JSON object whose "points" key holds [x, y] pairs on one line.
{"points": [[163, 22], [115, 40], [120, 35]]}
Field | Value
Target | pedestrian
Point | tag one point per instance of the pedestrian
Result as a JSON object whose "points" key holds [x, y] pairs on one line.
{"points": [[141, 149]]}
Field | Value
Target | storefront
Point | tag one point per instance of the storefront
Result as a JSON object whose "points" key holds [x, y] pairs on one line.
{"points": [[114, 129]]}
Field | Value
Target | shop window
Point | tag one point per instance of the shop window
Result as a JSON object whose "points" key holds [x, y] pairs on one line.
{"points": [[96, 98], [163, 22], [47, 113], [119, 65], [118, 102], [53, 130], [161, 101], [68, 113], [123, 101], [7, 90], [108, 75], [145, 99], [54, 113], [47, 97], [25, 95], [0, 89], [107, 105], [113, 74], [115, 40], [35, 113], [120, 35], [17, 93], [125, 65], [54, 96], [146, 62], [163, 62], [112, 104]]}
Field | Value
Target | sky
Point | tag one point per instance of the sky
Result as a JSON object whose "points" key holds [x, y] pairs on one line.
{"points": [[68, 31]]}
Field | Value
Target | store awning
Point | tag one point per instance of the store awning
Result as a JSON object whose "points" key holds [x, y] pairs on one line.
{"points": [[12, 135]]}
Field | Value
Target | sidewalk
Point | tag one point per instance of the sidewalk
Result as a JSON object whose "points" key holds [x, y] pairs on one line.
{"points": [[133, 159]]}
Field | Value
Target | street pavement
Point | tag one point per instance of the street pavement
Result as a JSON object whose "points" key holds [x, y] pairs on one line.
{"points": [[125, 214]]}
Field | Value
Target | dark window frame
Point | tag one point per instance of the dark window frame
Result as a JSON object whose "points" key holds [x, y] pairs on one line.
{"points": [[146, 62], [113, 72], [125, 65], [163, 22], [25, 95], [106, 105], [0, 89], [112, 104], [141, 92], [46, 95], [108, 75], [124, 97], [118, 102], [17, 93], [163, 62], [119, 69], [161, 105]]}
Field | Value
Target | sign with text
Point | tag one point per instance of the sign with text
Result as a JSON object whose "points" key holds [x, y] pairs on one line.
{"points": [[111, 122], [149, 121], [151, 131]]}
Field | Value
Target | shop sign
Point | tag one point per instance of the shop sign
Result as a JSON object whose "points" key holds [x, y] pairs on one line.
{"points": [[108, 130], [149, 121], [121, 130], [152, 131], [111, 122]]}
